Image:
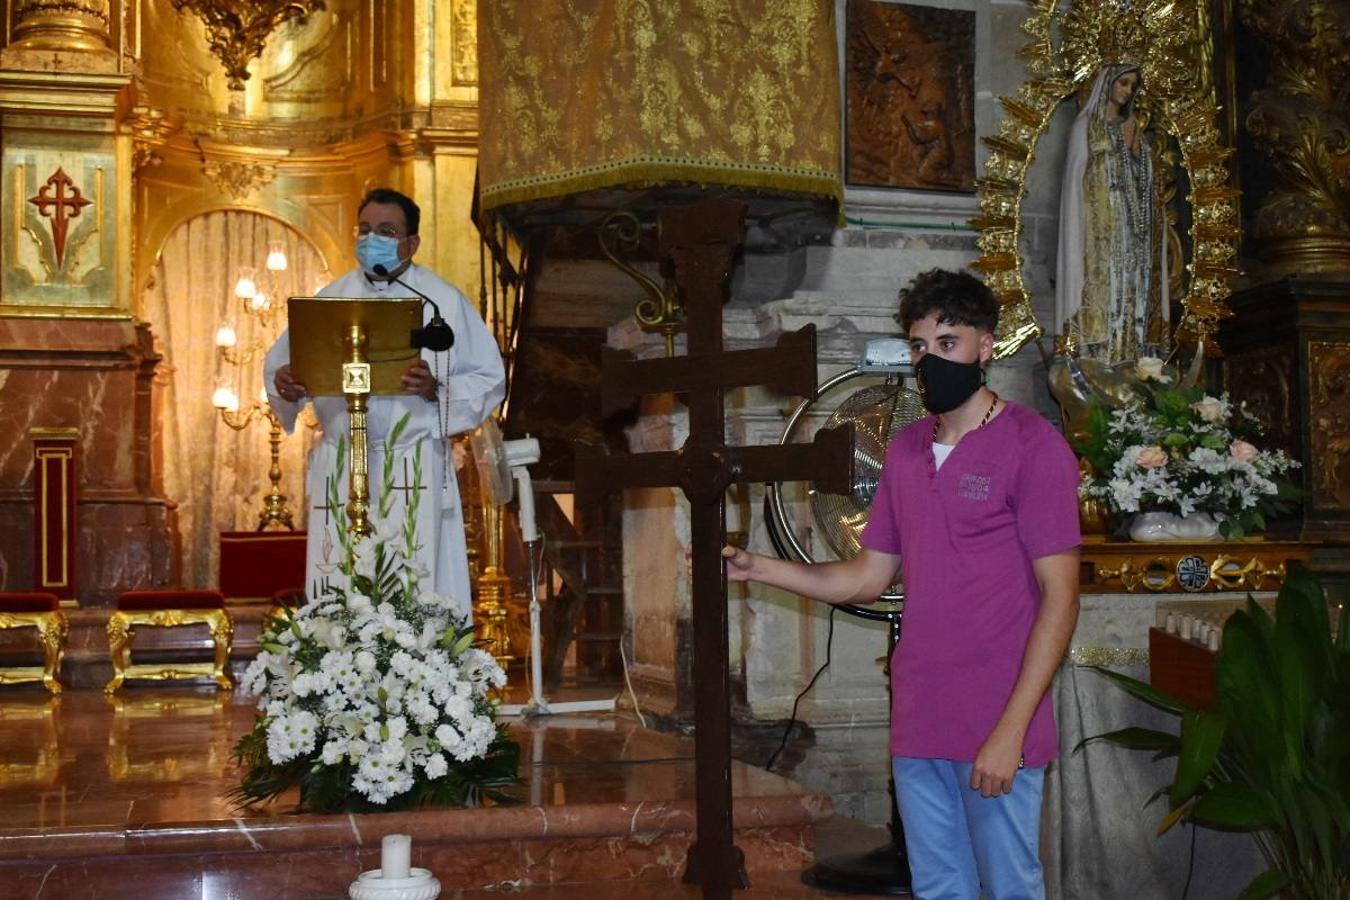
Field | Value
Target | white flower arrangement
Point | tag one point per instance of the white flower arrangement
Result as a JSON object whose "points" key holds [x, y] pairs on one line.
{"points": [[372, 695], [1179, 450]]}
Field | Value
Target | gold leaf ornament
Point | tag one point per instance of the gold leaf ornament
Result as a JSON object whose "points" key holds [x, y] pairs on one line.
{"points": [[237, 29]]}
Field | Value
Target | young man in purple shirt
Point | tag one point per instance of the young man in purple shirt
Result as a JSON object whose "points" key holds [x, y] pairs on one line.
{"points": [[980, 502]]}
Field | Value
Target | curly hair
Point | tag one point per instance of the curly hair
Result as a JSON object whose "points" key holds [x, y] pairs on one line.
{"points": [[958, 298]]}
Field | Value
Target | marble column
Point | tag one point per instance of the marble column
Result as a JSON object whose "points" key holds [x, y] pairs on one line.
{"points": [[94, 376]]}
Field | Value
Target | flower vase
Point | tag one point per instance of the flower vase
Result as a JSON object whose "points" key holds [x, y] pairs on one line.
{"points": [[1166, 526]]}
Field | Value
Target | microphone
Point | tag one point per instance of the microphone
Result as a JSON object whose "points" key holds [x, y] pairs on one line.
{"points": [[436, 335]]}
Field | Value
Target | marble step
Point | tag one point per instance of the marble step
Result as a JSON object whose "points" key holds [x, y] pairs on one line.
{"points": [[100, 794], [834, 835]]}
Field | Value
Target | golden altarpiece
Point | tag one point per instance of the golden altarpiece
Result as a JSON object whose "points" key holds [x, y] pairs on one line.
{"points": [[123, 126], [1256, 269], [1280, 341]]}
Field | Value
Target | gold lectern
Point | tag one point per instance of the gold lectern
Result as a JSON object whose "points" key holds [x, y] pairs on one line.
{"points": [[353, 347]]}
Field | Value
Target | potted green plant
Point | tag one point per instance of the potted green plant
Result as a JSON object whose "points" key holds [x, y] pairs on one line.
{"points": [[1273, 754]]}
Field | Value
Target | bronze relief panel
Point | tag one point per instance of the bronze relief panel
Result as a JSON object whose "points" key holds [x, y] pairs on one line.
{"points": [[1329, 424], [910, 76], [1264, 380]]}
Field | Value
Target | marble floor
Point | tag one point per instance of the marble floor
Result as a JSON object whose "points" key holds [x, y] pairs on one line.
{"points": [[126, 797], [155, 755]]}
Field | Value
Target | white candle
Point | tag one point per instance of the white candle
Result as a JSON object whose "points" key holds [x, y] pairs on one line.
{"points": [[396, 856], [1171, 623], [1186, 627], [1214, 641]]}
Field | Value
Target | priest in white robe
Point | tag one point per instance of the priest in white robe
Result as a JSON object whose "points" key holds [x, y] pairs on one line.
{"points": [[447, 393]]}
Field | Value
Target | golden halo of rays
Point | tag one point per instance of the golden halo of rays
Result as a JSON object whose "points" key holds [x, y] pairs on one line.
{"points": [[1165, 39]]}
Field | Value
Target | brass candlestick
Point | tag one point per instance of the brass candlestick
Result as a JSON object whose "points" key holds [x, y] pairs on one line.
{"points": [[494, 586], [275, 512], [242, 357]]}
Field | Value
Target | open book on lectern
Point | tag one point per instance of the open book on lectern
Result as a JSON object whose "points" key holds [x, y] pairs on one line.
{"points": [[319, 327]]}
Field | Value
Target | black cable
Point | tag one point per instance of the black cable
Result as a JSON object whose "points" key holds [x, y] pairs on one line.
{"points": [[792, 720], [1190, 866], [771, 527]]}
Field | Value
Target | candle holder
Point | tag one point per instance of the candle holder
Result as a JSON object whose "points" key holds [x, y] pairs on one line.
{"points": [[258, 305], [275, 512], [395, 879], [419, 885]]}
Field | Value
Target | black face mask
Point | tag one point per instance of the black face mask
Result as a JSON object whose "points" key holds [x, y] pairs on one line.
{"points": [[944, 385]]}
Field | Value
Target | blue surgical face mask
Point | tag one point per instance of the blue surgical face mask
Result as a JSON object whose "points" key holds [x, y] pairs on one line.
{"points": [[377, 250]]}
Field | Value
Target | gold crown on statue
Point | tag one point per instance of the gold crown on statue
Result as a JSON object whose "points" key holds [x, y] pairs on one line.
{"points": [[1151, 34]]}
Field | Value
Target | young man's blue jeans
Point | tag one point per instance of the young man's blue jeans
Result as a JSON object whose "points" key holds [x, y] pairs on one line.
{"points": [[959, 841]]}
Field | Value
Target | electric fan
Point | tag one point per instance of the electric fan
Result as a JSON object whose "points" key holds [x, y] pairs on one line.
{"points": [[502, 467]]}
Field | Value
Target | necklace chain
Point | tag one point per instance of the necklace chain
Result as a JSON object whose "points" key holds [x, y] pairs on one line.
{"points": [[1136, 173], [937, 423]]}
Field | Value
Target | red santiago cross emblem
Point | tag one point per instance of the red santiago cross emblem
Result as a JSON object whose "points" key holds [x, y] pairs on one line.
{"points": [[68, 202]]}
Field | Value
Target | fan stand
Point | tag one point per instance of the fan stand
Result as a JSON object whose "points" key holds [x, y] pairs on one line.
{"points": [[539, 704], [884, 869]]}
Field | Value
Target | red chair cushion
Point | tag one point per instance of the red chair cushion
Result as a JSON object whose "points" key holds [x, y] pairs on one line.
{"points": [[28, 601], [132, 601]]}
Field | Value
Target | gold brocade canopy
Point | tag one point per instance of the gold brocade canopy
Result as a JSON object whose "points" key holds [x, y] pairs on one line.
{"points": [[584, 95]]}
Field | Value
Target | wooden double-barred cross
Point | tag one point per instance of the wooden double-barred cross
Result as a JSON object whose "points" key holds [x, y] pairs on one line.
{"points": [[701, 242]]}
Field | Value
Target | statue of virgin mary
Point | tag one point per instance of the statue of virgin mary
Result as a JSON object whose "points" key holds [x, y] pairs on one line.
{"points": [[1111, 294]]}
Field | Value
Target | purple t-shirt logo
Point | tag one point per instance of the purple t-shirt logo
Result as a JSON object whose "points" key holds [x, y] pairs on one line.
{"points": [[973, 487]]}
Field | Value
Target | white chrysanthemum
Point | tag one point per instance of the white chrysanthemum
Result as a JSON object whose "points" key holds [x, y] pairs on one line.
{"points": [[475, 741], [423, 712], [435, 766], [304, 684], [255, 676], [290, 736], [398, 728], [393, 752], [458, 709]]}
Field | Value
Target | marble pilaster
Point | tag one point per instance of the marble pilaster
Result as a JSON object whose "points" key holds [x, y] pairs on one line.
{"points": [[93, 375]]}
